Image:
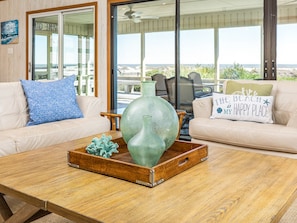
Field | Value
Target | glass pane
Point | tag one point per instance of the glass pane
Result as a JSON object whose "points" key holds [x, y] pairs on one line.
{"points": [[160, 53], [78, 53], [45, 48], [286, 40], [41, 59], [240, 52], [197, 56], [145, 46], [128, 69], [221, 40]]}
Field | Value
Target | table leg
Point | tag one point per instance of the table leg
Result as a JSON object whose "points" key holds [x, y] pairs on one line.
{"points": [[23, 214], [5, 211]]}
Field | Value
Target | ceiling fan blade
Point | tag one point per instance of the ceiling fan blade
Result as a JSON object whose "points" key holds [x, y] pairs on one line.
{"points": [[129, 14], [136, 20], [149, 17], [137, 13]]}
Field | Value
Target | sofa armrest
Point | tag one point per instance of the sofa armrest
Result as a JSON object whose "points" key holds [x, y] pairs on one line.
{"points": [[89, 105], [202, 107]]}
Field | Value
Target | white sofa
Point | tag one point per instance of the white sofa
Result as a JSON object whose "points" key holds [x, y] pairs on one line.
{"points": [[279, 138], [16, 137]]}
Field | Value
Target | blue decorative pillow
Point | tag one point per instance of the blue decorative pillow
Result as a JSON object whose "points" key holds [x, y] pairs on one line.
{"points": [[51, 101]]}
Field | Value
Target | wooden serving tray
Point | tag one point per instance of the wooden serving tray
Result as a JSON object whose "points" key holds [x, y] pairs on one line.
{"points": [[179, 157]]}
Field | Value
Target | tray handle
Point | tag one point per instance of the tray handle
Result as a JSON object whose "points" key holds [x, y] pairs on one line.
{"points": [[183, 161]]}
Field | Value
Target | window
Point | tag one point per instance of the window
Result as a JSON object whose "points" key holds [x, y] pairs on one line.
{"points": [[63, 44], [197, 53], [159, 49], [286, 51], [280, 29], [139, 50], [235, 39], [217, 39], [240, 52]]}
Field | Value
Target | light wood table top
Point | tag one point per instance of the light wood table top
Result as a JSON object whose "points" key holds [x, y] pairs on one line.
{"points": [[231, 186]]}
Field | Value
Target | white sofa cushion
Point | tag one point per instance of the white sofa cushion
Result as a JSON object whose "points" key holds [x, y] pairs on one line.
{"points": [[37, 136], [7, 145], [285, 101], [247, 134], [13, 106], [89, 105], [293, 121]]}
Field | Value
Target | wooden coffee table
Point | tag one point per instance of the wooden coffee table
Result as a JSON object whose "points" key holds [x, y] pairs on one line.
{"points": [[231, 186]]}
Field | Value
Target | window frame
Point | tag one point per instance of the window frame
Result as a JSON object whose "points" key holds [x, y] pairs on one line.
{"points": [[30, 15]]}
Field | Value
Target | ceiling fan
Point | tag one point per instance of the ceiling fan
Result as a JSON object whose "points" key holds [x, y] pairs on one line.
{"points": [[136, 17]]}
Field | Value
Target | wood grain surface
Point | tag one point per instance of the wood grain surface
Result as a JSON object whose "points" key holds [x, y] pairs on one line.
{"points": [[231, 186]]}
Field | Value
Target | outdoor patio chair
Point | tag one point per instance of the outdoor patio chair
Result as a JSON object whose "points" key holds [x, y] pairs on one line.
{"points": [[187, 96], [161, 89], [200, 89]]}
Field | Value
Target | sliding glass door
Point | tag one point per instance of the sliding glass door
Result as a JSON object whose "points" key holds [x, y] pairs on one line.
{"points": [[143, 45], [63, 45], [286, 40], [219, 40]]}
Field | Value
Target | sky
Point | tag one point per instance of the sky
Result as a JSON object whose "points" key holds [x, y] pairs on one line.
{"points": [[287, 44], [237, 45], [197, 47]]}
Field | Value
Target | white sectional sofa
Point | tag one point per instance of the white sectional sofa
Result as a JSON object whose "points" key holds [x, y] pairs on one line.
{"points": [[16, 136], [277, 138]]}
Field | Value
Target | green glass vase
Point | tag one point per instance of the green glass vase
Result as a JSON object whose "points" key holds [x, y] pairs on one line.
{"points": [[146, 147], [164, 117]]}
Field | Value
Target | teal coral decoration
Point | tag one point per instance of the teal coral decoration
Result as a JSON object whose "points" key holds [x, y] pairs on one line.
{"points": [[102, 146]]}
